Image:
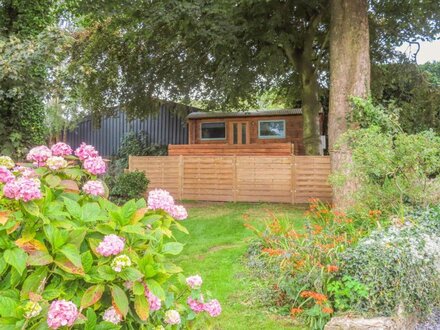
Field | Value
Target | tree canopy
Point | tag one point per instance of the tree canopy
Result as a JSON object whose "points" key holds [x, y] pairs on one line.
{"points": [[27, 48], [224, 53]]}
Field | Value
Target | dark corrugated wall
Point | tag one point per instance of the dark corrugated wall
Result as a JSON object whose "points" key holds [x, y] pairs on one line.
{"points": [[165, 127]]}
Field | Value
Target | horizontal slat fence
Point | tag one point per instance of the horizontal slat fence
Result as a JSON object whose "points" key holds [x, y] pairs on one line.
{"points": [[280, 179], [207, 149]]}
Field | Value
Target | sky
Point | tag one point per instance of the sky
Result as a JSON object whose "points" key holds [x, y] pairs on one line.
{"points": [[429, 51]]}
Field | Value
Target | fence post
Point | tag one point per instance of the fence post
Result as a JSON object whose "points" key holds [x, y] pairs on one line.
{"points": [[293, 178], [234, 179], [130, 164], [180, 177]]}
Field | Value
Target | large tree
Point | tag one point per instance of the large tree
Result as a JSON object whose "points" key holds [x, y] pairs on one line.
{"points": [[225, 53], [349, 76], [26, 49]]}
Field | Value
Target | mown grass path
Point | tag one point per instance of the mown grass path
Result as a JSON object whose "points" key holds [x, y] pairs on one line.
{"points": [[215, 248]]}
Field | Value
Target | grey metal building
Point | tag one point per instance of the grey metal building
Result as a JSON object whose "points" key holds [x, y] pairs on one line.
{"points": [[167, 126]]}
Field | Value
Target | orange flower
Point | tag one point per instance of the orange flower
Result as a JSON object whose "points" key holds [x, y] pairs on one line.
{"points": [[319, 297], [327, 310], [295, 310], [317, 229], [332, 268], [273, 252]]}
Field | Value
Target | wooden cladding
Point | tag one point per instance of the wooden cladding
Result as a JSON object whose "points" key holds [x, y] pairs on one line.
{"points": [[281, 179], [273, 149]]}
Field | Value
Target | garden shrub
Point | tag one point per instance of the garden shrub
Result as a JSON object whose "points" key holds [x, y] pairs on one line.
{"points": [[393, 170], [134, 144], [138, 144], [127, 186], [307, 260], [399, 265], [70, 258]]}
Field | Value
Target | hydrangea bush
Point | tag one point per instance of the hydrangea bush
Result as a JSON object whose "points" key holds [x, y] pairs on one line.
{"points": [[71, 259]]}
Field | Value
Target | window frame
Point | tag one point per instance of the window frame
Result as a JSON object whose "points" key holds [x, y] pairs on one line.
{"points": [[272, 136], [212, 139]]}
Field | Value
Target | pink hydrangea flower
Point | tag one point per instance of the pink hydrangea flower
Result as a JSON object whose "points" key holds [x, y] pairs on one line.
{"points": [[25, 172], [213, 308], [179, 212], [153, 301], [194, 282], [56, 162], [111, 315], [94, 165], [110, 245], [39, 155], [95, 188], [6, 175], [61, 313], [196, 305], [85, 151], [160, 199], [23, 188], [61, 149], [172, 317]]}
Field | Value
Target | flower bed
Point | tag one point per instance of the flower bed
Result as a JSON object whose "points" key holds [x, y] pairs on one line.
{"points": [[72, 259], [356, 265]]}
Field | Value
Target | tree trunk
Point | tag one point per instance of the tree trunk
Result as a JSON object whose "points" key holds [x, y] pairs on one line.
{"points": [[310, 109], [349, 76]]}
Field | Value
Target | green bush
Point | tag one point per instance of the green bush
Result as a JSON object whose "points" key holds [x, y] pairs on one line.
{"points": [[393, 170], [138, 144], [71, 259], [399, 266], [128, 186], [133, 144]]}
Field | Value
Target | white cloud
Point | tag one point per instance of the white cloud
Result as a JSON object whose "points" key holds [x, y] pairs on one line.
{"points": [[429, 51]]}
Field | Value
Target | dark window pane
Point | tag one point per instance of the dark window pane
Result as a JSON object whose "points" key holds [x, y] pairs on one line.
{"points": [[213, 130], [235, 137], [243, 133]]}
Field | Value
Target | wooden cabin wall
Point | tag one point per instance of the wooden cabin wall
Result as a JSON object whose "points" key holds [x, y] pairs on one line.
{"points": [[294, 130]]}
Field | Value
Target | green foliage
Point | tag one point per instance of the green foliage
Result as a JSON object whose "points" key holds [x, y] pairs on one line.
{"points": [[134, 144], [137, 144], [392, 169], [433, 71], [28, 47], [128, 186], [136, 51], [399, 266], [347, 293], [365, 114], [411, 91], [48, 249]]}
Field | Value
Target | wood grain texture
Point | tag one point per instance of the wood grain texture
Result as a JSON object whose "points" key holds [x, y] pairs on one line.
{"points": [[280, 179]]}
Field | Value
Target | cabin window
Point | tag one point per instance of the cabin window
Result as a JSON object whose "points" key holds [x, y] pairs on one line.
{"points": [[213, 131], [272, 129]]}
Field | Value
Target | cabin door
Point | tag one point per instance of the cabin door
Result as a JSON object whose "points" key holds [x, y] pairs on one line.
{"points": [[239, 132]]}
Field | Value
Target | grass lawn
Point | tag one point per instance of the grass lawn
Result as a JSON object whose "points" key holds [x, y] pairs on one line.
{"points": [[215, 248]]}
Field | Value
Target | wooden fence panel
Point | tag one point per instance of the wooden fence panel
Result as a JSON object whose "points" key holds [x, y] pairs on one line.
{"points": [[162, 171], [263, 179], [311, 178], [282, 179], [208, 178]]}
